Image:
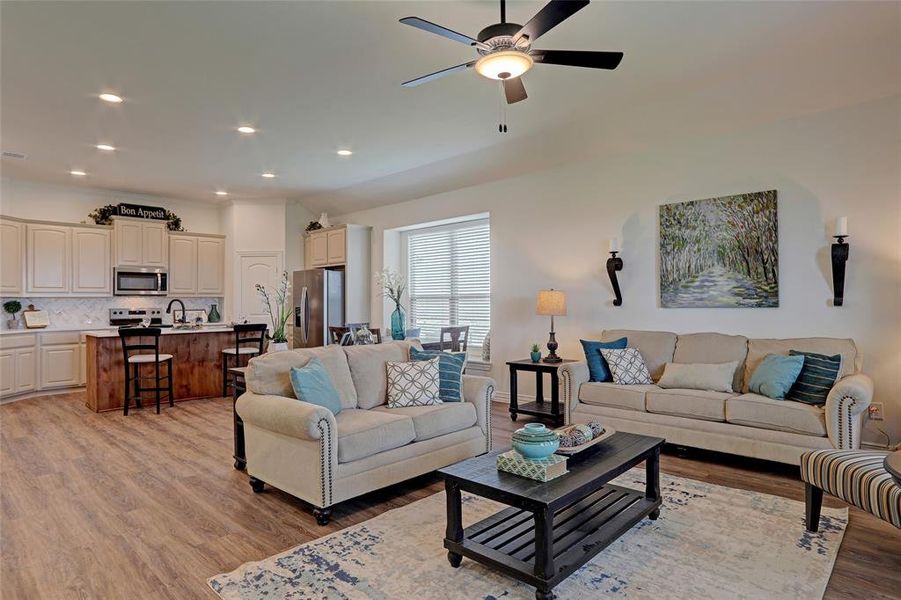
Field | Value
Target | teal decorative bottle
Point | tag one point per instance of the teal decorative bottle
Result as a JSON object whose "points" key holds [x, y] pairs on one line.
{"points": [[214, 316], [398, 323]]}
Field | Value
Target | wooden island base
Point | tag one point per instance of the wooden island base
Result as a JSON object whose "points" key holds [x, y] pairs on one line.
{"points": [[197, 365]]}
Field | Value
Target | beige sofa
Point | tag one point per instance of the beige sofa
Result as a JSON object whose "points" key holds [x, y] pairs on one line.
{"points": [[739, 422], [322, 458]]}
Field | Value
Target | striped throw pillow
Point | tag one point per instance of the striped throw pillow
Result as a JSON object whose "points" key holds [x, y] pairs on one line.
{"points": [[450, 372], [816, 379]]}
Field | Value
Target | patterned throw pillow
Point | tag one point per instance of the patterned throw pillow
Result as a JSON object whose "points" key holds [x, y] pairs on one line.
{"points": [[450, 372], [413, 383], [627, 366], [817, 377]]}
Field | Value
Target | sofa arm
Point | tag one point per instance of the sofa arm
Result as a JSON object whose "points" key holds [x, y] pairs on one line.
{"points": [[573, 375], [479, 391], [287, 416], [846, 402]]}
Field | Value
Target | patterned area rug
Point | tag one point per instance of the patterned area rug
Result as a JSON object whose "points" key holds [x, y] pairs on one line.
{"points": [[709, 542]]}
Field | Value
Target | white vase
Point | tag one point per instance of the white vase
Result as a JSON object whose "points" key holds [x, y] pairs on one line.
{"points": [[277, 347], [323, 220]]}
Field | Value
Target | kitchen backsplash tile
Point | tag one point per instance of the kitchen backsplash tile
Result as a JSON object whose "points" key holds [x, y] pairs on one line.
{"points": [[74, 313]]}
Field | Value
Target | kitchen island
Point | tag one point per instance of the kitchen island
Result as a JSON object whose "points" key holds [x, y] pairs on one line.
{"points": [[197, 365]]}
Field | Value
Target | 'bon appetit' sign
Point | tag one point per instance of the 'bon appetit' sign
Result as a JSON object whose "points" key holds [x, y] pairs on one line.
{"points": [[142, 212]]}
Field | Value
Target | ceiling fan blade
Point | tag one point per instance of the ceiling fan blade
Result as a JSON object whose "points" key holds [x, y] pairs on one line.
{"points": [[554, 13], [439, 30], [578, 58], [437, 74], [514, 90]]}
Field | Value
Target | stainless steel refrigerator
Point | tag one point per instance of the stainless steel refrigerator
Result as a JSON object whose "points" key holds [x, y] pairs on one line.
{"points": [[318, 305]]}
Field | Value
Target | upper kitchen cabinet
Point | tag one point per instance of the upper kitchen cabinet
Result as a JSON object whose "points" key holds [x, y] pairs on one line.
{"points": [[12, 257], [48, 256], [332, 247], [196, 265], [141, 242], [91, 261]]}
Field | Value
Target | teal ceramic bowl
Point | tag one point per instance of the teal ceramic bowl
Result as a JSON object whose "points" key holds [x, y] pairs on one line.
{"points": [[535, 441]]}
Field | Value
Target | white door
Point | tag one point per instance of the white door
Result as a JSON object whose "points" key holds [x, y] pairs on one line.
{"points": [[210, 266], [128, 242], [264, 268], [92, 271], [12, 257], [47, 259], [154, 244], [182, 265], [60, 365], [26, 370], [7, 373]]}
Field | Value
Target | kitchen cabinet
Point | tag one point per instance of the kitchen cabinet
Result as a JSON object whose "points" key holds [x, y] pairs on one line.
{"points": [[141, 242], [12, 257], [26, 370], [196, 265], [18, 364], [346, 246], [60, 359], [7, 373], [91, 261], [318, 249], [47, 259], [337, 252]]}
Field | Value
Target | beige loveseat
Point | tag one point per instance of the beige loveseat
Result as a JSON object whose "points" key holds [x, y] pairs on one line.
{"points": [[739, 422], [310, 453]]}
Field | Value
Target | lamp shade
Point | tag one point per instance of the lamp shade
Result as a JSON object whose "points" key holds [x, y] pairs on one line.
{"points": [[551, 303]]}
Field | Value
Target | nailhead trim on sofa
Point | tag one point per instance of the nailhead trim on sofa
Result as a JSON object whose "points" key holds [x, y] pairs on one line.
{"points": [[325, 461], [489, 392]]}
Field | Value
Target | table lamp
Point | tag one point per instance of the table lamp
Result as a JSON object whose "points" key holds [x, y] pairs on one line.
{"points": [[551, 303]]}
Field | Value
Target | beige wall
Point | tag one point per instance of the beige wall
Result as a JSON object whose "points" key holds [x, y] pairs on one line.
{"points": [[550, 229]]}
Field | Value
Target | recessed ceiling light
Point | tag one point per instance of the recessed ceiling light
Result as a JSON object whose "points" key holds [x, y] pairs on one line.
{"points": [[246, 129], [111, 98], [105, 147], [77, 173], [268, 175], [221, 193], [344, 152]]}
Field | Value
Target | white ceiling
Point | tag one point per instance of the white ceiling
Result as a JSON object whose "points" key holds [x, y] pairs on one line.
{"points": [[315, 76]]}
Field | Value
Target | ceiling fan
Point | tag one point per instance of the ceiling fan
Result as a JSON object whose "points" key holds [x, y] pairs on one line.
{"points": [[506, 48]]}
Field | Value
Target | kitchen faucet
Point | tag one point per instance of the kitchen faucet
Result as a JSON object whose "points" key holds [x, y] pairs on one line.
{"points": [[184, 313]]}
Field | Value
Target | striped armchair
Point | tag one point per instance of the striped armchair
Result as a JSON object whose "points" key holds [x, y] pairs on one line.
{"points": [[856, 476]]}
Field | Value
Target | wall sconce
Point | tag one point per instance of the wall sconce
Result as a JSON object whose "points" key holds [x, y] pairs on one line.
{"points": [[614, 264], [839, 258]]}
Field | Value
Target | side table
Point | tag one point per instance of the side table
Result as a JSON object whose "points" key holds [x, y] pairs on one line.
{"points": [[552, 410], [240, 386]]}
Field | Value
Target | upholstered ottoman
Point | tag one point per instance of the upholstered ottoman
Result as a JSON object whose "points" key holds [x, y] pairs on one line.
{"points": [[856, 476]]}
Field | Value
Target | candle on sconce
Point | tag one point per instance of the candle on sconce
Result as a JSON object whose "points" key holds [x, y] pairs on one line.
{"points": [[614, 245], [841, 227]]}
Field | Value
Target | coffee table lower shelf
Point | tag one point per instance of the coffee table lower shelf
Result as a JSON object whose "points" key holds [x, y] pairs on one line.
{"points": [[506, 541]]}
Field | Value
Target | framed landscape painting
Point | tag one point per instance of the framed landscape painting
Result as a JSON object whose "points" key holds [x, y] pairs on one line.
{"points": [[720, 252]]}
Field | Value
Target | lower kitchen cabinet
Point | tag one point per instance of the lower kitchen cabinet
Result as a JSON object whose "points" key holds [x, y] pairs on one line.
{"points": [[18, 364], [60, 366]]}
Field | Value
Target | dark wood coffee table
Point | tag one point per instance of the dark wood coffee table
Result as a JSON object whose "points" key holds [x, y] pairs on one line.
{"points": [[551, 529]]}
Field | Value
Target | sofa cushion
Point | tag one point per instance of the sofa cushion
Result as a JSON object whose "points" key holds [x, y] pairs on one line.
{"points": [[597, 366], [713, 348], [657, 347], [362, 433], [775, 375], [630, 397], [694, 404], [312, 384], [755, 410], [758, 349], [270, 374], [433, 421], [413, 383], [627, 366], [368, 371], [715, 377], [818, 376]]}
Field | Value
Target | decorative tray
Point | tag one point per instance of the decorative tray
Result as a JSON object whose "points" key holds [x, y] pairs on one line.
{"points": [[608, 431]]}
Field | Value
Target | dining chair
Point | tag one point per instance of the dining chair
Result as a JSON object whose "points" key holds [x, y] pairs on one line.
{"points": [[134, 378], [337, 333], [457, 338]]}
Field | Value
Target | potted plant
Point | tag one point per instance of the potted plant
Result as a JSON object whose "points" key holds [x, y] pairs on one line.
{"points": [[393, 285], [279, 313], [12, 307], [535, 355]]}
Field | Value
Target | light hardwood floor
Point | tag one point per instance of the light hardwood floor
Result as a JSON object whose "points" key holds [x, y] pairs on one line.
{"points": [[149, 506]]}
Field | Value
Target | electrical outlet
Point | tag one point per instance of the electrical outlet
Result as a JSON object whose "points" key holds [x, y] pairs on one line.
{"points": [[874, 411]]}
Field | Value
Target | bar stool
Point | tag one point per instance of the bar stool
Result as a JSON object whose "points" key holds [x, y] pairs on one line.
{"points": [[134, 362], [244, 337]]}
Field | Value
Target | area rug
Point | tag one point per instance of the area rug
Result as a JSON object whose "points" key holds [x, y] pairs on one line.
{"points": [[709, 542]]}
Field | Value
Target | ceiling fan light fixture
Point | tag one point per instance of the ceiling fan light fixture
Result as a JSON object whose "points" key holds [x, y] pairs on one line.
{"points": [[505, 64]]}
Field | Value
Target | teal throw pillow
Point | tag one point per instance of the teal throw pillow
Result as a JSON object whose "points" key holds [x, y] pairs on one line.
{"points": [[312, 384], [816, 378], [598, 370], [775, 375], [450, 372]]}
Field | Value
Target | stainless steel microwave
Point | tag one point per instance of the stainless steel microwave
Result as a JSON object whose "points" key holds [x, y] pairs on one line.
{"points": [[140, 281]]}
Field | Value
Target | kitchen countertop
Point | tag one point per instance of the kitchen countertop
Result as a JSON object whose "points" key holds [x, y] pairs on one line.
{"points": [[58, 329], [165, 331]]}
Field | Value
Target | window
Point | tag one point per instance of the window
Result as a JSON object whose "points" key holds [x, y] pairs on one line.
{"points": [[449, 275]]}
